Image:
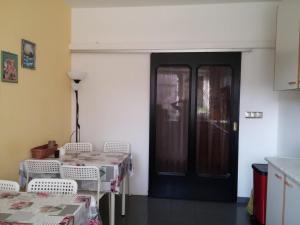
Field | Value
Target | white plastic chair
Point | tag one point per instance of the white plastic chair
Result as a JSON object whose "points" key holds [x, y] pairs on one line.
{"points": [[83, 173], [77, 147], [49, 220], [123, 147], [116, 146], [6, 185], [42, 167], [53, 186]]}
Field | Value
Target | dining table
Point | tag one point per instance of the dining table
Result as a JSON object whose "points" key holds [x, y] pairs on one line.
{"points": [[24, 208], [115, 169]]}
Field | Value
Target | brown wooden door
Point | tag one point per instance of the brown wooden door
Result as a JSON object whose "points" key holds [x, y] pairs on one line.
{"points": [[194, 107]]}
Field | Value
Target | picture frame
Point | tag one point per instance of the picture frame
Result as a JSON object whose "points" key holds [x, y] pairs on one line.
{"points": [[28, 56], [9, 67]]}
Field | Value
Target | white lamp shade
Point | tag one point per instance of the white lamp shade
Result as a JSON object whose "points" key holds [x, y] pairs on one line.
{"points": [[77, 75]]}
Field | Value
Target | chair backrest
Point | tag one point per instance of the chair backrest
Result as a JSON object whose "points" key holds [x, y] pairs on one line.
{"points": [[116, 146], [80, 173], [42, 166], [53, 186], [78, 147], [50, 220], [6, 185], [53, 220]]}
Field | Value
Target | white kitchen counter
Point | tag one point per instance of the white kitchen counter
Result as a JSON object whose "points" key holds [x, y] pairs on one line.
{"points": [[289, 166]]}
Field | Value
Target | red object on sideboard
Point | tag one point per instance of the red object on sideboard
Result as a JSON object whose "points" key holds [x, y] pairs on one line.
{"points": [[43, 151], [260, 180]]}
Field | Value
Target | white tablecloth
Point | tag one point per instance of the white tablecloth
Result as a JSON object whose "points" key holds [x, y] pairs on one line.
{"points": [[113, 168], [18, 208]]}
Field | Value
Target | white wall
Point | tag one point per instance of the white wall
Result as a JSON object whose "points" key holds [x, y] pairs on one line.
{"points": [[289, 124], [114, 105], [115, 96], [258, 137], [212, 25]]}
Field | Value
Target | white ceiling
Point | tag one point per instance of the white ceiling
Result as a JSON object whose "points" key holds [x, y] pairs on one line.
{"points": [[120, 3]]}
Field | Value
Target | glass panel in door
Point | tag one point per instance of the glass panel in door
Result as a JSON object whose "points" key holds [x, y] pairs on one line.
{"points": [[214, 88], [172, 118]]}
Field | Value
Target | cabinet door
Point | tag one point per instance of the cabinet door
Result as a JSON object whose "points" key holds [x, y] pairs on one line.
{"points": [[275, 196], [287, 46], [292, 203]]}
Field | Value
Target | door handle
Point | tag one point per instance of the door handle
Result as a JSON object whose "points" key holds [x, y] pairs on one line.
{"points": [[235, 126], [288, 184]]}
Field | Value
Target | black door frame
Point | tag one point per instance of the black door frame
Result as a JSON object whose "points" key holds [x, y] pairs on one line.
{"points": [[205, 59]]}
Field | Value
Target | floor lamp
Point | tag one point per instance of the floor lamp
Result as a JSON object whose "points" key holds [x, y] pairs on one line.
{"points": [[76, 77]]}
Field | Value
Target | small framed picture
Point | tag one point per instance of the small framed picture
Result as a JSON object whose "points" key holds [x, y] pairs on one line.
{"points": [[28, 54], [9, 67]]}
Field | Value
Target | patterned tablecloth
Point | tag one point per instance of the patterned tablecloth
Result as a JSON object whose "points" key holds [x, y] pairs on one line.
{"points": [[113, 168], [22, 208]]}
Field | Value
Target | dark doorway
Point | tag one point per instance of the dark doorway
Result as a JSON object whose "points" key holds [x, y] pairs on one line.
{"points": [[194, 116]]}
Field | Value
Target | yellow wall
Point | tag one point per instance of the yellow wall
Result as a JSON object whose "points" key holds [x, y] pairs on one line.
{"points": [[38, 108]]}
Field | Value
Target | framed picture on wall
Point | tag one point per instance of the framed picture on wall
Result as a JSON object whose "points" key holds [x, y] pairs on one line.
{"points": [[28, 54], [9, 67]]}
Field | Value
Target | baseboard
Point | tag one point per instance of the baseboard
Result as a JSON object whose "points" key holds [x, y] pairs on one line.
{"points": [[242, 200]]}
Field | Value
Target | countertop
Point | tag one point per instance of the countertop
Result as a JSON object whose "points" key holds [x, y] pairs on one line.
{"points": [[289, 166]]}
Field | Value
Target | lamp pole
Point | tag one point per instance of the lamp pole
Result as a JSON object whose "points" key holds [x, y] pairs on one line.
{"points": [[76, 77], [77, 131]]}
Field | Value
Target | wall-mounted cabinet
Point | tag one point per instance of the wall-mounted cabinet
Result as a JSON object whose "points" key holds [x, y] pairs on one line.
{"points": [[287, 46]]}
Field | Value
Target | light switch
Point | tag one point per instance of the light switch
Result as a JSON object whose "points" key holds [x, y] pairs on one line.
{"points": [[254, 115]]}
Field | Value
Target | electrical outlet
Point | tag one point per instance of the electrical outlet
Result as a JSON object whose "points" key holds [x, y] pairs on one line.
{"points": [[254, 115]]}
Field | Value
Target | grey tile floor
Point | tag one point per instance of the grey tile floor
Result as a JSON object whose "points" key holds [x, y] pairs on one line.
{"points": [[152, 211]]}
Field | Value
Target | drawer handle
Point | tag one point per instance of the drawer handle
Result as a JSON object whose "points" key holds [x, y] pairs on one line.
{"points": [[292, 82], [278, 176], [288, 184]]}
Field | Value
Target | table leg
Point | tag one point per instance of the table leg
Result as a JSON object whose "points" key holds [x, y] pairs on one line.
{"points": [[112, 209], [128, 186], [123, 195], [109, 206]]}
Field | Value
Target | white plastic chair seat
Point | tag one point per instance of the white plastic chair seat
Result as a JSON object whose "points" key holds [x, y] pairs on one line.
{"points": [[78, 147], [6, 185], [53, 186]]}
